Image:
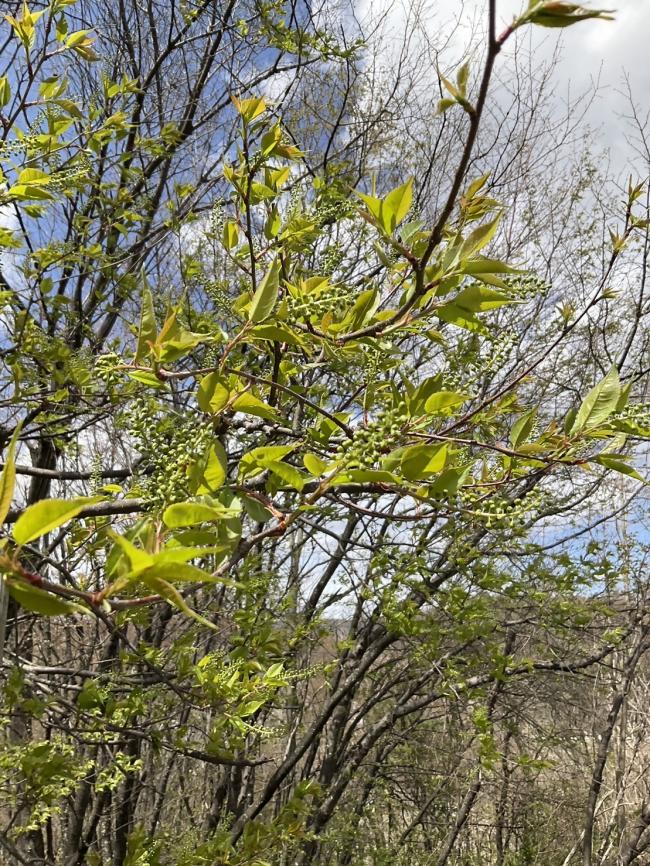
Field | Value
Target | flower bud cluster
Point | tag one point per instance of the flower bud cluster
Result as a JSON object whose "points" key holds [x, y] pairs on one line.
{"points": [[526, 287], [61, 180], [107, 369], [168, 450], [636, 413], [296, 198], [28, 142], [334, 299], [474, 361], [217, 218], [500, 512], [373, 441], [217, 291], [332, 209], [96, 472], [376, 360], [331, 259]]}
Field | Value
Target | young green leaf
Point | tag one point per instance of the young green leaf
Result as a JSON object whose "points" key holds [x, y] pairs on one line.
{"points": [[287, 474], [209, 474], [8, 477], [230, 234], [249, 109], [249, 404], [551, 13], [190, 513], [255, 509], [442, 400], [265, 297], [396, 205], [314, 465], [5, 91], [462, 77], [147, 332], [421, 461], [479, 238], [522, 427], [48, 514], [212, 394], [172, 595], [616, 464], [599, 403]]}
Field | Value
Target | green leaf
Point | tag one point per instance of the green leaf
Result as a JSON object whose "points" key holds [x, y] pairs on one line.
{"points": [[522, 427], [444, 105], [172, 555], [615, 463], [261, 458], [5, 91], [190, 513], [451, 88], [29, 192], [148, 330], [461, 318], [277, 333], [8, 477], [287, 474], [179, 572], [265, 297], [213, 393], [373, 204], [421, 461], [441, 401], [249, 708], [625, 396], [146, 377], [48, 514], [475, 298], [38, 601], [599, 403], [255, 509], [550, 13], [314, 465], [390, 211], [479, 238], [177, 342], [448, 482], [210, 473], [249, 404], [230, 234], [249, 109], [172, 595], [479, 299], [396, 205], [462, 77], [34, 176], [138, 559], [416, 401], [362, 310], [481, 265]]}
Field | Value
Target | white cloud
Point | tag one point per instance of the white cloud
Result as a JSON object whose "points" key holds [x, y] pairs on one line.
{"points": [[412, 31]]}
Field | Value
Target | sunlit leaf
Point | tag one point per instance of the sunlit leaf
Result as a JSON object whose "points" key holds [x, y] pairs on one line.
{"points": [[48, 514], [265, 297], [599, 403]]}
